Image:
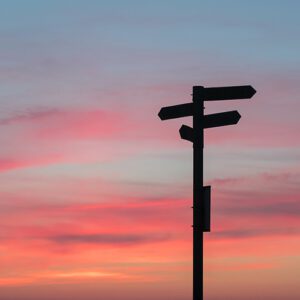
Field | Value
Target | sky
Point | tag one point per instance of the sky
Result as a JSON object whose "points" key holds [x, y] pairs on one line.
{"points": [[96, 191]]}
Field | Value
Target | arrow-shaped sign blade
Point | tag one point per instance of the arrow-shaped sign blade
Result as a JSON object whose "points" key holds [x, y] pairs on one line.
{"points": [[187, 133], [224, 93], [221, 119], [176, 111]]}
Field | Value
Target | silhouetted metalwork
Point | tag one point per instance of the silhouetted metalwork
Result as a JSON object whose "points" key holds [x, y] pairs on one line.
{"points": [[176, 111], [224, 93], [201, 209], [221, 119], [187, 133]]}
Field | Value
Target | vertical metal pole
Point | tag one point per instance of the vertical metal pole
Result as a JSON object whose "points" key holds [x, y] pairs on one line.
{"points": [[198, 209]]}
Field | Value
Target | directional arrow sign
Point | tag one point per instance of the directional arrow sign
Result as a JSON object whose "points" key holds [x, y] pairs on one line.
{"points": [[176, 111], [221, 119], [187, 133], [224, 93]]}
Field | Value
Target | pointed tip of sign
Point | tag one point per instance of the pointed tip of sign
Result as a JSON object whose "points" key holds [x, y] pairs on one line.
{"points": [[186, 133], [252, 90], [185, 128], [237, 117], [160, 114], [181, 130]]}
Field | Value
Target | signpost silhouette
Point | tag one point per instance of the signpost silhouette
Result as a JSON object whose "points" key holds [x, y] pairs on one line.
{"points": [[201, 194]]}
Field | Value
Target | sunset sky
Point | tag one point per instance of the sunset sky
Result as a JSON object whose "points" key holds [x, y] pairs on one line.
{"points": [[96, 191]]}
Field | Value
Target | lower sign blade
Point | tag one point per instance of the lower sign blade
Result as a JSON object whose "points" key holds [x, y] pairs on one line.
{"points": [[221, 119], [187, 133]]}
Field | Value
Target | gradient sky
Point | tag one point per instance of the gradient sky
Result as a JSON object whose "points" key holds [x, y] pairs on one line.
{"points": [[95, 191]]}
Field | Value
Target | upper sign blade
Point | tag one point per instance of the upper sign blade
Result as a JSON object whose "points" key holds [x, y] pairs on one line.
{"points": [[221, 119], [224, 93], [176, 111]]}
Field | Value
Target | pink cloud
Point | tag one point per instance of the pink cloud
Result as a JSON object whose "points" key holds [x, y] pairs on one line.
{"points": [[46, 136], [30, 115], [255, 134], [81, 125], [123, 235], [7, 164], [70, 124], [103, 218]]}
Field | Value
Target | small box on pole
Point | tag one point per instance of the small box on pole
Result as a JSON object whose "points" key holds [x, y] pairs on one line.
{"points": [[207, 208]]}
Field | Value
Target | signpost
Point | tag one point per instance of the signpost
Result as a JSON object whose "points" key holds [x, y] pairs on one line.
{"points": [[201, 194]]}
